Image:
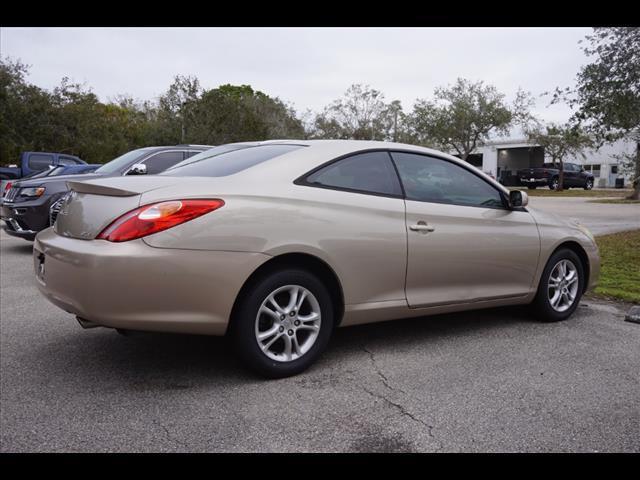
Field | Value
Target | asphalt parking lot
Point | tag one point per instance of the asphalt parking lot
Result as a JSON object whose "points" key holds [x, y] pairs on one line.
{"points": [[493, 380], [600, 218]]}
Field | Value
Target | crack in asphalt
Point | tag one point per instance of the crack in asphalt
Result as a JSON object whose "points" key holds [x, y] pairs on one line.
{"points": [[168, 433], [403, 411], [385, 380]]}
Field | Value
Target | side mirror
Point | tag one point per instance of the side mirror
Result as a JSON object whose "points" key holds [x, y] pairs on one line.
{"points": [[518, 198], [138, 169]]}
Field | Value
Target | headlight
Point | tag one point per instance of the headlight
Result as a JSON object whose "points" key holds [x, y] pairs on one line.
{"points": [[32, 192]]}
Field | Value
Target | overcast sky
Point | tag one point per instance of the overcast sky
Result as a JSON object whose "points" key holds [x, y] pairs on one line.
{"points": [[308, 67]]}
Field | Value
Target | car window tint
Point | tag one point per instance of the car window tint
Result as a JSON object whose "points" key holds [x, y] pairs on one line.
{"points": [[161, 161], [370, 172], [38, 161], [231, 162], [430, 179]]}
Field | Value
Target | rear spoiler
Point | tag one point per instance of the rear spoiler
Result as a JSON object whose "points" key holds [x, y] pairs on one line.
{"points": [[96, 189]]}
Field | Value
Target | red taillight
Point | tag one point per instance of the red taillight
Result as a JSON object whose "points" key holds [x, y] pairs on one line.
{"points": [[7, 187], [156, 217]]}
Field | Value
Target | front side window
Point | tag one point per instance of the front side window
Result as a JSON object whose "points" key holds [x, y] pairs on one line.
{"points": [[39, 161], [370, 172], [429, 179], [161, 161]]}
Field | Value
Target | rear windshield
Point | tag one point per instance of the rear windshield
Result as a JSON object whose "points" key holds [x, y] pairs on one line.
{"points": [[210, 153], [231, 162]]}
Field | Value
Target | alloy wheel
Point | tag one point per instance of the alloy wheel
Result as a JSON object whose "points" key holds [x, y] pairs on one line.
{"points": [[563, 283], [288, 323]]}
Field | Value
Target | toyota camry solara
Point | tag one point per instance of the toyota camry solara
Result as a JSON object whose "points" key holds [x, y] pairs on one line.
{"points": [[277, 244]]}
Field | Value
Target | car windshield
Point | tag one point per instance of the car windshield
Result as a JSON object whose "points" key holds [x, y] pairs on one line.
{"points": [[122, 161], [44, 173], [231, 162], [59, 171]]}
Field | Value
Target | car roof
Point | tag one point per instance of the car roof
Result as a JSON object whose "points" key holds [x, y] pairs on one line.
{"points": [[320, 152]]}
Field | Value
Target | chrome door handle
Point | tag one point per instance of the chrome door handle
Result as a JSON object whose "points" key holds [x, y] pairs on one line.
{"points": [[422, 227]]}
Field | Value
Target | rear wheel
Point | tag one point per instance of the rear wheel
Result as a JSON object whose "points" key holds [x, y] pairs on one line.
{"points": [[561, 287], [553, 185], [283, 323]]}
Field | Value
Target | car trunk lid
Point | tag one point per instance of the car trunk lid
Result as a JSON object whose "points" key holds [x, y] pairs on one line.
{"points": [[90, 206]]}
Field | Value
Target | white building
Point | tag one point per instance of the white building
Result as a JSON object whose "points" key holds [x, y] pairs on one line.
{"points": [[503, 158]]}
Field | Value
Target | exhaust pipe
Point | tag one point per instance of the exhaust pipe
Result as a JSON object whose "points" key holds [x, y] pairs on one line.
{"points": [[86, 323]]}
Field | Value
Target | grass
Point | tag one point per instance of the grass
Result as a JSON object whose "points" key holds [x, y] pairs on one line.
{"points": [[620, 266], [576, 192], [614, 200]]}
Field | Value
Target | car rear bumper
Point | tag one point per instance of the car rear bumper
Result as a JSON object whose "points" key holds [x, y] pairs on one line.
{"points": [[534, 181], [131, 285]]}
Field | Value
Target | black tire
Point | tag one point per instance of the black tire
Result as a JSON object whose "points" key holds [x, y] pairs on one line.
{"points": [[588, 185], [531, 187], [242, 328], [542, 305], [554, 183]]}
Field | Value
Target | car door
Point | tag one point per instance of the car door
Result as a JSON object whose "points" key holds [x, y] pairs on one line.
{"points": [[571, 175], [464, 244]]}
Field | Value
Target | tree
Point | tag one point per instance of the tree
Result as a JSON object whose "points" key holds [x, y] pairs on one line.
{"points": [[232, 113], [559, 141], [361, 114], [462, 117], [607, 92], [26, 113]]}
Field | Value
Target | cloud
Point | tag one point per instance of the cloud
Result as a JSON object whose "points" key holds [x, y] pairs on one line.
{"points": [[308, 67]]}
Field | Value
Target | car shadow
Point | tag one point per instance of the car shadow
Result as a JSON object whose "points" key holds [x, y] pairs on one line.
{"points": [[25, 249], [146, 361]]}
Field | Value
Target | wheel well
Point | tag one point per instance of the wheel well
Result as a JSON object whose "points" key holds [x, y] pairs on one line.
{"points": [[303, 261], [582, 255]]}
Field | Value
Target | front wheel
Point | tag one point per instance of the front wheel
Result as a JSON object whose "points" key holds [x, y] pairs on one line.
{"points": [[561, 287], [554, 184], [588, 184], [283, 323]]}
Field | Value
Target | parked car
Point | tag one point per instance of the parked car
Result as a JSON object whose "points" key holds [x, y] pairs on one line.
{"points": [[33, 162], [549, 175], [26, 207], [55, 171], [278, 244]]}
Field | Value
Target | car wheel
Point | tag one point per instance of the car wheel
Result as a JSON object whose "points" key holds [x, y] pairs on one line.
{"points": [[283, 323], [531, 187], [554, 184], [588, 184], [561, 287]]}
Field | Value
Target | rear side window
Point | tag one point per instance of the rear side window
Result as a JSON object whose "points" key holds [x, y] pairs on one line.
{"points": [[39, 161], [231, 162], [161, 161], [370, 172]]}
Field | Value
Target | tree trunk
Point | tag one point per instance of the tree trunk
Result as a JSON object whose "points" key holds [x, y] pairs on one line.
{"points": [[561, 177], [636, 183]]}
